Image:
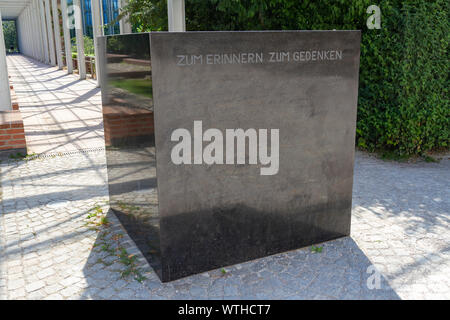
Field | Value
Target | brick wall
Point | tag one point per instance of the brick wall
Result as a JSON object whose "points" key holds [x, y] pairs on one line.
{"points": [[124, 125], [12, 134]]}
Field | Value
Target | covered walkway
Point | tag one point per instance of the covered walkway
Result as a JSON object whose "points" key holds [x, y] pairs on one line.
{"points": [[60, 112]]}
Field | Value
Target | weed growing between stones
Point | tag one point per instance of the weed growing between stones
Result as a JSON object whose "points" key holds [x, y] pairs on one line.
{"points": [[22, 157], [316, 249], [111, 243]]}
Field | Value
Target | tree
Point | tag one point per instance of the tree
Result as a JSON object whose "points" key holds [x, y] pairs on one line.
{"points": [[146, 15], [10, 35]]}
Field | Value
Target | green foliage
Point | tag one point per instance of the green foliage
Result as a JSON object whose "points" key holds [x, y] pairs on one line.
{"points": [[403, 104], [424, 109], [141, 87], [10, 35], [403, 98], [147, 15], [109, 242], [316, 249], [19, 156], [88, 46], [126, 45]]}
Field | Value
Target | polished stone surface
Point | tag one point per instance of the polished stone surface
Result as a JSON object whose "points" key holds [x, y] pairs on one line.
{"points": [[303, 83], [204, 216], [129, 137]]}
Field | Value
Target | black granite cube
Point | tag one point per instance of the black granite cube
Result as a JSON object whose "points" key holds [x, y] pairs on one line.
{"points": [[228, 146]]}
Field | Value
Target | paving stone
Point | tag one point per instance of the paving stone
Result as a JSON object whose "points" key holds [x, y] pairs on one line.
{"points": [[70, 292], [55, 296], [36, 295], [69, 281], [16, 284], [17, 294], [45, 273], [106, 293], [34, 286], [52, 288]]}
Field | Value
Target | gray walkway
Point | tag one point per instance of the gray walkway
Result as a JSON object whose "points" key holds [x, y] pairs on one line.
{"points": [[58, 240]]}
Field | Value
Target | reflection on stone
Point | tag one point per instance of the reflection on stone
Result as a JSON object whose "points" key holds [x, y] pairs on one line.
{"points": [[134, 198], [129, 139], [127, 97]]}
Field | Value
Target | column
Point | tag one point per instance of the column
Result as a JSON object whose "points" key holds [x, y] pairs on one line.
{"points": [[80, 40], [102, 78], [124, 23], [26, 30], [97, 30], [32, 33], [5, 95], [27, 24], [51, 40], [37, 22], [175, 11], [57, 32], [23, 34], [44, 31], [20, 35], [19, 44], [37, 51], [66, 32]]}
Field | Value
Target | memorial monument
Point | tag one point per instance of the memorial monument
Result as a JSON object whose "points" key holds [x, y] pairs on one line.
{"points": [[224, 147]]}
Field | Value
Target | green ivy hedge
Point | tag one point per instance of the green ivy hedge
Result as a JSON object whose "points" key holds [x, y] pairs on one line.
{"points": [[403, 102], [403, 97]]}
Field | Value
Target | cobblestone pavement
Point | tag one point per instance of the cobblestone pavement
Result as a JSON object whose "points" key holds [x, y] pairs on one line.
{"points": [[55, 245]]}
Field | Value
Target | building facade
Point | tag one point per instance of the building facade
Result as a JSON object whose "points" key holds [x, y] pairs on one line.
{"points": [[110, 10]]}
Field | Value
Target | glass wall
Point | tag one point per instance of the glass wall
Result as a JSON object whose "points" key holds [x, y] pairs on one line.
{"points": [[110, 13], [87, 17]]}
